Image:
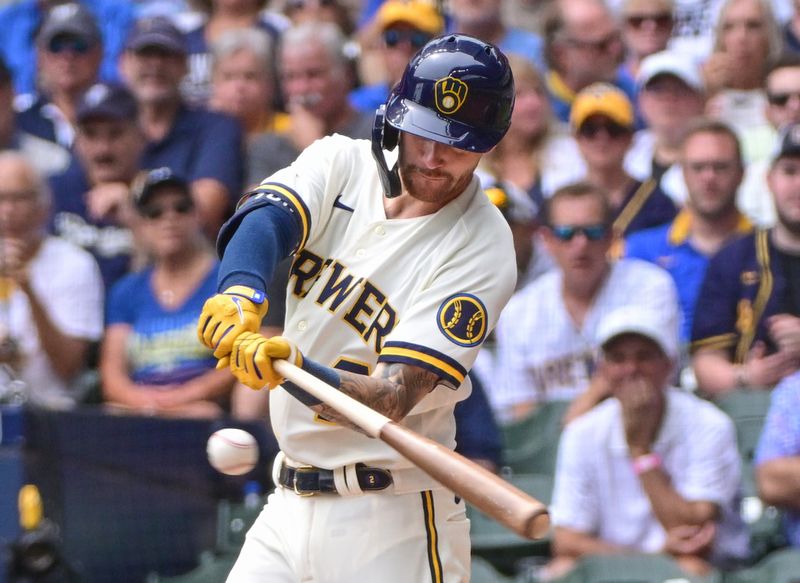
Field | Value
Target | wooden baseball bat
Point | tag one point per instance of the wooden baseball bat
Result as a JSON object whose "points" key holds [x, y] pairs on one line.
{"points": [[489, 493]]}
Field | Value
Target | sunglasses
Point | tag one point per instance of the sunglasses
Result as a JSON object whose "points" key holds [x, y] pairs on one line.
{"points": [[600, 46], [781, 99], [156, 211], [568, 232], [63, 44], [592, 129], [415, 38], [662, 20]]}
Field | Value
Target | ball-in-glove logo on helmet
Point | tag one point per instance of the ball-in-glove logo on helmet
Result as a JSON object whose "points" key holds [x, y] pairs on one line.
{"points": [[450, 94]]}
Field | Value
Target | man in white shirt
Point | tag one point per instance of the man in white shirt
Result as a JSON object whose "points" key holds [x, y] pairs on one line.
{"points": [[546, 346], [653, 469]]}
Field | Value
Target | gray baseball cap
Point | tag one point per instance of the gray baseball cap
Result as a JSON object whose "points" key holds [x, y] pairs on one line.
{"points": [[158, 32], [71, 19]]}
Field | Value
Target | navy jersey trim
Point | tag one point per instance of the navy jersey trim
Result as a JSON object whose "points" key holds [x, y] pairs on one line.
{"points": [[446, 367]]}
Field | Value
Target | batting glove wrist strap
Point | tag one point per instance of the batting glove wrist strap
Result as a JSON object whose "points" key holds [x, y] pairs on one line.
{"points": [[254, 295], [324, 373]]}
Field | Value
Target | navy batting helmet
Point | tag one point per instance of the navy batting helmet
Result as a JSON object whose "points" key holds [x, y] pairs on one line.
{"points": [[457, 90]]}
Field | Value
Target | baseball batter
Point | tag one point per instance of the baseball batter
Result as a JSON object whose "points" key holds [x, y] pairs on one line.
{"points": [[401, 268]]}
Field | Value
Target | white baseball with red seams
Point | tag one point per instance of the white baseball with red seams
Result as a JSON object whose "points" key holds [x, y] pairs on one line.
{"points": [[232, 451]]}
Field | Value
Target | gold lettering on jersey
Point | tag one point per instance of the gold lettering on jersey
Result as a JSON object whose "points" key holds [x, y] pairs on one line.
{"points": [[450, 94], [744, 316], [749, 277], [330, 285]]}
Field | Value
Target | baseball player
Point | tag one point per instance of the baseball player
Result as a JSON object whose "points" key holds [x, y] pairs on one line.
{"points": [[401, 268]]}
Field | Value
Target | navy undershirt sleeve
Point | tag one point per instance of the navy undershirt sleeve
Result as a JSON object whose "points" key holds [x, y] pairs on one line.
{"points": [[264, 237]]}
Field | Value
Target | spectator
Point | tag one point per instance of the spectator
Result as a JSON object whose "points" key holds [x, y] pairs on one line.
{"points": [[712, 167], [91, 197], [69, 49], [151, 361], [204, 147], [52, 291], [746, 330], [404, 28], [670, 96], [316, 77], [223, 16], [602, 121], [45, 156], [243, 82], [308, 11], [582, 46], [778, 456], [791, 31], [21, 20], [483, 19], [746, 40], [653, 469], [646, 28], [782, 87], [536, 155], [545, 336]]}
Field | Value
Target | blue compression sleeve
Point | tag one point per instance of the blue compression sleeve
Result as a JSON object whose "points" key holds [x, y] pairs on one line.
{"points": [[264, 237]]}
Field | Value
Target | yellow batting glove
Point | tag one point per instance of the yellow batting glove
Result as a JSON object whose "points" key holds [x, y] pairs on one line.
{"points": [[252, 355], [238, 309]]}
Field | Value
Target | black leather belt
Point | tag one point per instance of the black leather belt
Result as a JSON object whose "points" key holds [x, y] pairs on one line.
{"points": [[308, 480]]}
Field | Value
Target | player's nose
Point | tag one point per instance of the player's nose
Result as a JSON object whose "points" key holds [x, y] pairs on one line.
{"points": [[432, 154]]}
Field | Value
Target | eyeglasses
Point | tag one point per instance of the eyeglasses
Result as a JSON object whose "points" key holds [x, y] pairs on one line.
{"points": [[601, 46], [568, 232], [662, 20], [156, 211], [590, 130], [781, 99], [415, 38], [61, 44]]}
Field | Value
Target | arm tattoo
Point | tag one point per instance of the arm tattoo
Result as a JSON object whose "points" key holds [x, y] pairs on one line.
{"points": [[393, 391]]}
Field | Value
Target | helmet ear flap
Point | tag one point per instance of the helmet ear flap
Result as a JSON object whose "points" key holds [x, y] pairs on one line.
{"points": [[385, 137]]}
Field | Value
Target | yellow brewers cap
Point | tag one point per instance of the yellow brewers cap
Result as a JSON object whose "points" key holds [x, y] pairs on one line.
{"points": [[420, 14], [601, 99]]}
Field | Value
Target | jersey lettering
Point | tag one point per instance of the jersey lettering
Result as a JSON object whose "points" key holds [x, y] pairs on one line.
{"points": [[370, 315]]}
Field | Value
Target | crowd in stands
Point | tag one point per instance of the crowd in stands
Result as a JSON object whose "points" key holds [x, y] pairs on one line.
{"points": [[651, 179]]}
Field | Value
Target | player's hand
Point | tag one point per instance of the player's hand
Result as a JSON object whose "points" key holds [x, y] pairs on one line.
{"points": [[690, 539], [229, 314], [252, 355], [784, 329], [762, 370], [640, 412]]}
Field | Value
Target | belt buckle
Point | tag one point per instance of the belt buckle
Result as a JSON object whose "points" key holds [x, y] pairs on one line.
{"points": [[297, 471]]}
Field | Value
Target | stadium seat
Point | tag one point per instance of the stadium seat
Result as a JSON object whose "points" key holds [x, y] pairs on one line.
{"points": [[503, 548], [779, 567], [212, 569], [640, 568], [483, 572], [748, 409], [530, 445]]}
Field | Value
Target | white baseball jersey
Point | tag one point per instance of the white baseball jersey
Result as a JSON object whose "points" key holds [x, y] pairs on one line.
{"points": [[542, 355], [364, 289]]}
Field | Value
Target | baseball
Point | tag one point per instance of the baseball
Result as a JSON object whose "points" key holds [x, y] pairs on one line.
{"points": [[232, 451]]}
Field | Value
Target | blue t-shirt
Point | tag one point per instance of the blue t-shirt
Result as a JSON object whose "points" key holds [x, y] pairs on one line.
{"points": [[162, 347], [109, 243], [201, 144], [19, 22]]}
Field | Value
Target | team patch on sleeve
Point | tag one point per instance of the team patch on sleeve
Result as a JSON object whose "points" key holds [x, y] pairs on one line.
{"points": [[462, 319], [446, 367]]}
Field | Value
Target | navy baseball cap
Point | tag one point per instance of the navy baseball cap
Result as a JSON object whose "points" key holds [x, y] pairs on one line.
{"points": [[71, 19], [788, 142], [156, 32], [107, 101], [149, 182]]}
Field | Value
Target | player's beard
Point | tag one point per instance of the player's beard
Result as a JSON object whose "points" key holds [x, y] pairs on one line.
{"points": [[434, 186], [791, 225]]}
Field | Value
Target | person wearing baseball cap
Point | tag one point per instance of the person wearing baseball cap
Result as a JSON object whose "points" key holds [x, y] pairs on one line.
{"points": [[203, 146], [69, 50], [602, 121], [670, 95], [404, 27], [746, 331], [652, 469]]}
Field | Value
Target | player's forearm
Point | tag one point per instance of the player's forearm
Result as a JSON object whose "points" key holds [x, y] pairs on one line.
{"points": [[575, 544], [392, 391], [779, 482], [715, 374]]}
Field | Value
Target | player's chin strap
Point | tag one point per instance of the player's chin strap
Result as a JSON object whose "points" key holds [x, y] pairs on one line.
{"points": [[385, 137]]}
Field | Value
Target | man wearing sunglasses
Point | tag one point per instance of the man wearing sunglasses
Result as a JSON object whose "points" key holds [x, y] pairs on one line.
{"points": [[602, 120], [546, 349], [69, 49], [404, 28]]}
